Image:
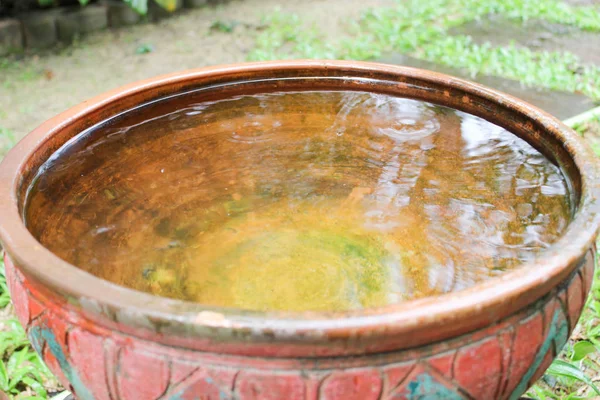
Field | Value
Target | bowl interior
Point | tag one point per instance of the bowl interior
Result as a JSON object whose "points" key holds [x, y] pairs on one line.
{"points": [[322, 199]]}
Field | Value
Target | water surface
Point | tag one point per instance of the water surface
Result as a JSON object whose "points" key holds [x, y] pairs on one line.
{"points": [[298, 201]]}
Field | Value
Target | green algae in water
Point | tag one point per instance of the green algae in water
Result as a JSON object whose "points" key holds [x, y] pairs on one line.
{"points": [[314, 270], [293, 262], [298, 201]]}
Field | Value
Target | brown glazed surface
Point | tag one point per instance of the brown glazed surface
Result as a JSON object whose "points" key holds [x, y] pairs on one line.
{"points": [[99, 303]]}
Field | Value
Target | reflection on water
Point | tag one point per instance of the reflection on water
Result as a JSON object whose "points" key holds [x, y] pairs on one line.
{"points": [[298, 201]]}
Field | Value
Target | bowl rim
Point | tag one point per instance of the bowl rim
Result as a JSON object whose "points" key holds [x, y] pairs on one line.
{"points": [[405, 324]]}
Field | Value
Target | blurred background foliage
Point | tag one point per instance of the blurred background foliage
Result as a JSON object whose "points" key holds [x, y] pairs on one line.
{"points": [[13, 7]]}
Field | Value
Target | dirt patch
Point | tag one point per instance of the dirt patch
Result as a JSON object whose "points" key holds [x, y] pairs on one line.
{"points": [[39, 87]]}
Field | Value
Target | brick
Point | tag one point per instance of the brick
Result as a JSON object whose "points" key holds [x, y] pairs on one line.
{"points": [[39, 29], [67, 28], [81, 20], [93, 18], [11, 36], [120, 14], [195, 3], [156, 12]]}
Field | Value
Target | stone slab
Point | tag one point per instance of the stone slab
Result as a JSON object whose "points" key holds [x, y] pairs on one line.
{"points": [[156, 12], [120, 14], [560, 104], [81, 20], [39, 29], [195, 3], [535, 34], [11, 36]]}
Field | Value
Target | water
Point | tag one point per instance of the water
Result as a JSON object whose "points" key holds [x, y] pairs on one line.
{"points": [[298, 201]]}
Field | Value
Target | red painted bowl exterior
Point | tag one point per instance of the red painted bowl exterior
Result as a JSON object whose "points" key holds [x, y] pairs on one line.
{"points": [[497, 362], [488, 342]]}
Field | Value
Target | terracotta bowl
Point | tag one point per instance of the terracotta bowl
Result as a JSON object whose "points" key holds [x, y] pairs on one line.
{"points": [[490, 341]]}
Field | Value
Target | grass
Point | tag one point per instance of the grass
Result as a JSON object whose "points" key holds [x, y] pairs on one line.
{"points": [[26, 73], [23, 375], [144, 49], [575, 374], [223, 26], [590, 130], [421, 29]]}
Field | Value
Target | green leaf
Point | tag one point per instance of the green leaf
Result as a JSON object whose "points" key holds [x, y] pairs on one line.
{"points": [[144, 49], [582, 349], [224, 26], [596, 304], [19, 376], [573, 396], [33, 371], [41, 367], [169, 5], [141, 6], [15, 360], [3, 377], [11, 340], [36, 386], [567, 370], [595, 331], [541, 393]]}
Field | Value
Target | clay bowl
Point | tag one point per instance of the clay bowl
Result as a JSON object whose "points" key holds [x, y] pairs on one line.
{"points": [[492, 340]]}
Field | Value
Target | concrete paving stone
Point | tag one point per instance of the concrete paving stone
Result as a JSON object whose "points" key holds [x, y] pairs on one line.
{"points": [[120, 14], [11, 36], [194, 3], [562, 105], [156, 12], [39, 29], [81, 20], [536, 34]]}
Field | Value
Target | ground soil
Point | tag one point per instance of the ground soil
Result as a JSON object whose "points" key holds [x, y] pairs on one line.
{"points": [[40, 86]]}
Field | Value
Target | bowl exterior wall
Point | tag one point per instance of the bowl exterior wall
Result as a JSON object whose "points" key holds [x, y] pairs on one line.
{"points": [[499, 361]]}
